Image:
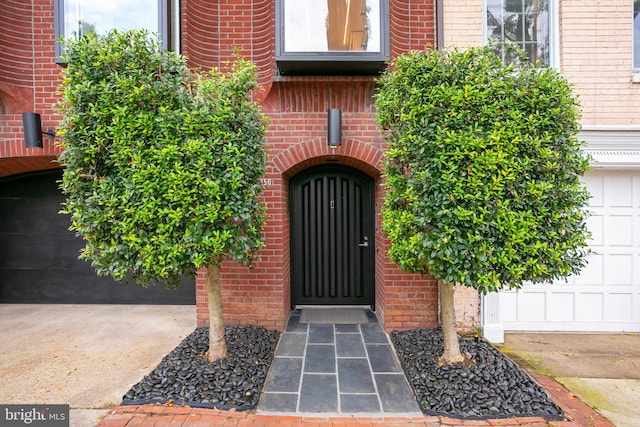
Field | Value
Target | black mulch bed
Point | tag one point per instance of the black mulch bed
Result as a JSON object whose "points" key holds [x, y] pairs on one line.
{"points": [[494, 388], [184, 378]]}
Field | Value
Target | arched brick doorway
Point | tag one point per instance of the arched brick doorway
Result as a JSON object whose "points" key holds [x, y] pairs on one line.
{"points": [[332, 236]]}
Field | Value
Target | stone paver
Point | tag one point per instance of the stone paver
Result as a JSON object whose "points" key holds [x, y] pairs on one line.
{"points": [[347, 369]]}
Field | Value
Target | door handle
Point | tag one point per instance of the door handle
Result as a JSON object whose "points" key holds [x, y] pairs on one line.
{"points": [[365, 244]]}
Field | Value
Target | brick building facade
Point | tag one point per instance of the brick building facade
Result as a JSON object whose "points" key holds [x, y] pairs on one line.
{"points": [[296, 105]]}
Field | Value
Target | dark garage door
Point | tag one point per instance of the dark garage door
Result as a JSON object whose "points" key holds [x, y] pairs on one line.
{"points": [[39, 255]]}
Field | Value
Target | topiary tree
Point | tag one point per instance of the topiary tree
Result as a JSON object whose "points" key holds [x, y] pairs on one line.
{"points": [[482, 174], [162, 166]]}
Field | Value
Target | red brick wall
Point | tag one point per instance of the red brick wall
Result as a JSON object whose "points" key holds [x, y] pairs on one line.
{"points": [[411, 26], [296, 139], [16, 67], [29, 79], [212, 33]]}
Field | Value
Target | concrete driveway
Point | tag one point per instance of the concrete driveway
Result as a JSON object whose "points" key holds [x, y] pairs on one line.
{"points": [[601, 369], [86, 356]]}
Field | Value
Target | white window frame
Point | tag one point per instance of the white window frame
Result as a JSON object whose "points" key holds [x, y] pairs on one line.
{"points": [[635, 71], [554, 31]]}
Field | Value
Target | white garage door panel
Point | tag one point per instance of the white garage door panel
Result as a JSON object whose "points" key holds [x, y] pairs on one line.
{"points": [[589, 307], [606, 295]]}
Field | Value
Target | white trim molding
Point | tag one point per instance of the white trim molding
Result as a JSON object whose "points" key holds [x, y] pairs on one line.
{"points": [[491, 323], [612, 147]]}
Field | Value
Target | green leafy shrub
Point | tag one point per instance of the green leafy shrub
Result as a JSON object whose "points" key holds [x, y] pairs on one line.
{"points": [[483, 170], [162, 166]]}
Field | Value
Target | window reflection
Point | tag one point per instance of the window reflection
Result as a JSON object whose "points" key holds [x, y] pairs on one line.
{"points": [[332, 26], [524, 23], [84, 16]]}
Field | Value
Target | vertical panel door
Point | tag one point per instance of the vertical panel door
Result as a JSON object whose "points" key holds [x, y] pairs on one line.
{"points": [[332, 241]]}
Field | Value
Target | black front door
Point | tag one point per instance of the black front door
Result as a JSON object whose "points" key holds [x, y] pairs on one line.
{"points": [[332, 237]]}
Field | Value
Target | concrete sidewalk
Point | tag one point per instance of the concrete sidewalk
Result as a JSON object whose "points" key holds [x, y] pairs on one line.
{"points": [[86, 356], [601, 369]]}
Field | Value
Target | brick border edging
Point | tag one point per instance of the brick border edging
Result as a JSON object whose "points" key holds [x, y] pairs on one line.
{"points": [[185, 416], [578, 414], [576, 411]]}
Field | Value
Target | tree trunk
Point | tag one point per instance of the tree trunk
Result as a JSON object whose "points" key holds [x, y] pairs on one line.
{"points": [[217, 342], [452, 354]]}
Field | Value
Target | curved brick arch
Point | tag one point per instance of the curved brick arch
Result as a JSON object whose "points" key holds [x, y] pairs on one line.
{"points": [[411, 25], [24, 164], [263, 44], [400, 26], [352, 152], [17, 41]]}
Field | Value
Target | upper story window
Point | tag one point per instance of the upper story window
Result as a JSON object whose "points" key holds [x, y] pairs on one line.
{"points": [[73, 18], [332, 36], [528, 24]]}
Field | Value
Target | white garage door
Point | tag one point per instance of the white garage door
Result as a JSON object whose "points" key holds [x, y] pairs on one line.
{"points": [[606, 294]]}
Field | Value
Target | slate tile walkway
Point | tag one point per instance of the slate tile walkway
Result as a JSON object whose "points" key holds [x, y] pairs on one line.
{"points": [[342, 369]]}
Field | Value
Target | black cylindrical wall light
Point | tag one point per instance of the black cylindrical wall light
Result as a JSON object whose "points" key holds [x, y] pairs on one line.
{"points": [[334, 127], [32, 130]]}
